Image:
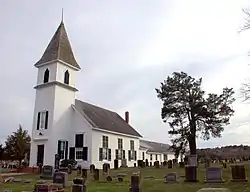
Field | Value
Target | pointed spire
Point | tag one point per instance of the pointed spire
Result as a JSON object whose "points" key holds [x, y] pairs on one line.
{"points": [[59, 48], [62, 15]]}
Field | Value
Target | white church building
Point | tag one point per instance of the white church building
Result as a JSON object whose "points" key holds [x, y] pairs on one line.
{"points": [[75, 129]]}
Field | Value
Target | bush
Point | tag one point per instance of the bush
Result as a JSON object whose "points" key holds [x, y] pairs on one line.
{"points": [[65, 163]]}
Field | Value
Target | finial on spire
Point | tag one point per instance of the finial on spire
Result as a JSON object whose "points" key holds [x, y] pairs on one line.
{"points": [[62, 14]]}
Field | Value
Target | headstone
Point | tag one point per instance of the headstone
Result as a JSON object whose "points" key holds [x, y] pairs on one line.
{"points": [[69, 169], [40, 166], [57, 160], [78, 188], [84, 174], [150, 164], [170, 164], [79, 170], [146, 163], [61, 178], [213, 175], [92, 168], [190, 174], [192, 160], [124, 163], [214, 190], [135, 183], [116, 164], [96, 175], [78, 181], [157, 164], [238, 173], [140, 163], [134, 164], [109, 178], [181, 164], [170, 177], [47, 172], [106, 168], [165, 163], [224, 165], [43, 188]]}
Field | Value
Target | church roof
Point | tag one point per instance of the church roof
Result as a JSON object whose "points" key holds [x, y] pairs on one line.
{"points": [[105, 119], [59, 48], [155, 147]]}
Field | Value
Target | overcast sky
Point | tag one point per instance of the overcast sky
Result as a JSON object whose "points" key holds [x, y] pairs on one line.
{"points": [[125, 49]]}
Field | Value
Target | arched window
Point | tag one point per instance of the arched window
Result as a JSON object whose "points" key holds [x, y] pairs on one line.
{"points": [[66, 77], [46, 76]]}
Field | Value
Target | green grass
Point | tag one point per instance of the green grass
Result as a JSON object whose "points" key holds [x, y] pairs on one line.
{"points": [[154, 185]]}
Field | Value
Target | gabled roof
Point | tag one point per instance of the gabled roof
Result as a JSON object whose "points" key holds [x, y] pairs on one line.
{"points": [[105, 119], [59, 48], [155, 147]]}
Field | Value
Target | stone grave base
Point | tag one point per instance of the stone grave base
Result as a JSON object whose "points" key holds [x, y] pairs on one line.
{"points": [[239, 180], [46, 177], [214, 181]]}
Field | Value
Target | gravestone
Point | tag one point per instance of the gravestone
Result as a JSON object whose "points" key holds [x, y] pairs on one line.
{"points": [[165, 163], [213, 175], [181, 164], [224, 165], [61, 178], [57, 161], [116, 164], [78, 181], [96, 175], [134, 164], [78, 188], [190, 174], [69, 169], [192, 160], [157, 164], [79, 170], [170, 177], [40, 167], [150, 164], [92, 168], [214, 190], [106, 169], [124, 163], [170, 164], [84, 174], [47, 172], [146, 163], [135, 183], [238, 173]]}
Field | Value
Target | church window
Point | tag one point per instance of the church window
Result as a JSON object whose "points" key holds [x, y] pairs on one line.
{"points": [[120, 153], [104, 152], [156, 157], [42, 120], [61, 150], [143, 156], [132, 152], [79, 153], [151, 157], [46, 76], [66, 77], [165, 157]]}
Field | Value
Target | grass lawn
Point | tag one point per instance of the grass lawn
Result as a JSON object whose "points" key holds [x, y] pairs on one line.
{"points": [[154, 185]]}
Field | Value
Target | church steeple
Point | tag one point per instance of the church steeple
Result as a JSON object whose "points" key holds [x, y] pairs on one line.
{"points": [[59, 48]]}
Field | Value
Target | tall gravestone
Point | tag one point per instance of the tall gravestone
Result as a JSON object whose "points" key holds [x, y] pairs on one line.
{"points": [[57, 161], [213, 175], [116, 164], [61, 178]]}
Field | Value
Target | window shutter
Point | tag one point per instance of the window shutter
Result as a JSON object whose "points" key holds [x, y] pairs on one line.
{"points": [[129, 155], [100, 154], [58, 148], [135, 155], [38, 121], [109, 155], [79, 140], [72, 153], [85, 154], [66, 149], [116, 154], [123, 154], [46, 119]]}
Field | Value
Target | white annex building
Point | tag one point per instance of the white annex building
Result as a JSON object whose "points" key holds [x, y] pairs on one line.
{"points": [[75, 129]]}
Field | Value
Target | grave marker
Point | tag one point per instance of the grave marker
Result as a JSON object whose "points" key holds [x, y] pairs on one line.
{"points": [[238, 173], [171, 177], [47, 172], [61, 178], [57, 160], [213, 175]]}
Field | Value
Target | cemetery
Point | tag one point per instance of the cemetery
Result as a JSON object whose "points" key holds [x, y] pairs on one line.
{"points": [[165, 177]]}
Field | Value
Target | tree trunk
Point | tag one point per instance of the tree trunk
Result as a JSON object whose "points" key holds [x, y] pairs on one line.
{"points": [[192, 145]]}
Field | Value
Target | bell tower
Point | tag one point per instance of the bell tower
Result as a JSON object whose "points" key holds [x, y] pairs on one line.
{"points": [[55, 93]]}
